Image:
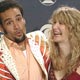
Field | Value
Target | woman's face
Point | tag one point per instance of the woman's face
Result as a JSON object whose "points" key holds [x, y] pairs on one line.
{"points": [[60, 32]]}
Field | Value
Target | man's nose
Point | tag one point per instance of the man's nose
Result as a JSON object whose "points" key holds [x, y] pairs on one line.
{"points": [[16, 25]]}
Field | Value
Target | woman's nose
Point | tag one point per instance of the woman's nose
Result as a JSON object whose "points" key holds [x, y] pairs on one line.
{"points": [[55, 25]]}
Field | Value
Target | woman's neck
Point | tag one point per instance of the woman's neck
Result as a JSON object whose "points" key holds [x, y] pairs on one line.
{"points": [[59, 74], [64, 49]]}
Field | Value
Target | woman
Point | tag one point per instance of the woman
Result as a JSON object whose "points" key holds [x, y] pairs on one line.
{"points": [[64, 44]]}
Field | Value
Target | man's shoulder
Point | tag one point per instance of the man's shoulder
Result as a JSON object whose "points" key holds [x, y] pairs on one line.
{"points": [[40, 38], [37, 36], [36, 33]]}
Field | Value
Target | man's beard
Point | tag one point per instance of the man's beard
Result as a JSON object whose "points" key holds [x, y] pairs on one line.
{"points": [[21, 39], [17, 40]]}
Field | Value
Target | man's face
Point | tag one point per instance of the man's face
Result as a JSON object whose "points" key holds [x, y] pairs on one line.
{"points": [[13, 24]]}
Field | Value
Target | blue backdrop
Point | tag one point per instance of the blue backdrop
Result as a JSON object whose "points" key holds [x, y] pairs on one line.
{"points": [[37, 14]]}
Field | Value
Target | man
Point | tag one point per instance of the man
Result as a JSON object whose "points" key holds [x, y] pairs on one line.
{"points": [[21, 57]]}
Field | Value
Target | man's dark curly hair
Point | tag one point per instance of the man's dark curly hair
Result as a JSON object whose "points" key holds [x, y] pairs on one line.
{"points": [[7, 4]]}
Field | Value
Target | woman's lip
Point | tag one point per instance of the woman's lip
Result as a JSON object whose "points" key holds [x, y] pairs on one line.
{"points": [[57, 33]]}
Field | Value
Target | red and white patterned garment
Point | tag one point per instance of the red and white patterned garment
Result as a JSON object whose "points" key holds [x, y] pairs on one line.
{"points": [[9, 71]]}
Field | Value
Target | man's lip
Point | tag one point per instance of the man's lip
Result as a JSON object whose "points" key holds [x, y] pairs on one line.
{"points": [[18, 33]]}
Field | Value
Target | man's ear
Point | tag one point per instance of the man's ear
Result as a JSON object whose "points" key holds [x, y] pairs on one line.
{"points": [[1, 29]]}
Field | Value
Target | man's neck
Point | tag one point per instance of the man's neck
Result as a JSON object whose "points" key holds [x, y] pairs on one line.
{"points": [[22, 45]]}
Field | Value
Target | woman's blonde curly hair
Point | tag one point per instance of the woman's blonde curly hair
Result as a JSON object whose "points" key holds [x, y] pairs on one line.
{"points": [[70, 17]]}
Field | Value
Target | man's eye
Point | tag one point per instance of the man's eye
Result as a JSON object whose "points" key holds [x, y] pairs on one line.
{"points": [[19, 19], [8, 23]]}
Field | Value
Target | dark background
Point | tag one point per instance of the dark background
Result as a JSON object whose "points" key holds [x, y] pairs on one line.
{"points": [[37, 14]]}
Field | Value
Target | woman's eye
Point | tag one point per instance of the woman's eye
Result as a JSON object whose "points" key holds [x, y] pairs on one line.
{"points": [[54, 22], [61, 22]]}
